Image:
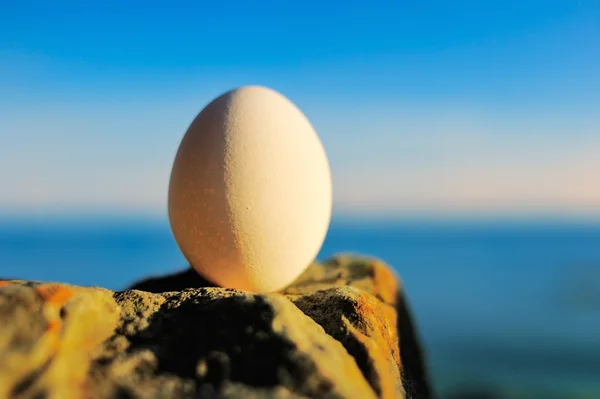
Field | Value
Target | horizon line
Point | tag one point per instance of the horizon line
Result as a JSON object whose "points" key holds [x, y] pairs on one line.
{"points": [[406, 216]]}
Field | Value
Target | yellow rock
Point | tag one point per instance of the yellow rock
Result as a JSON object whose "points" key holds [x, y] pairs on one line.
{"points": [[342, 330]]}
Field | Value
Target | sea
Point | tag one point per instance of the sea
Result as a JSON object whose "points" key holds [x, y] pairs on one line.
{"points": [[504, 309]]}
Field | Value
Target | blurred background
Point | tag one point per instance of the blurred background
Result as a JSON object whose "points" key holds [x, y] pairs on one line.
{"points": [[463, 137]]}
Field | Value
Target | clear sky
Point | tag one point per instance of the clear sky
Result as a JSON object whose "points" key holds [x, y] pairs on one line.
{"points": [[424, 107]]}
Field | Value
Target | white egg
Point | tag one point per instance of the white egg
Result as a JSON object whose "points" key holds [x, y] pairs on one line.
{"points": [[250, 191]]}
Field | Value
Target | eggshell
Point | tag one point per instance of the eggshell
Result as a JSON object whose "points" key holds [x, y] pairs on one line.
{"points": [[250, 191]]}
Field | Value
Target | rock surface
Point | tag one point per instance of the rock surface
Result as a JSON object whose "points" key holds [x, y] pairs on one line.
{"points": [[342, 330]]}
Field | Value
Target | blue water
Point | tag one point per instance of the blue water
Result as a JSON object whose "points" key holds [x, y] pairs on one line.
{"points": [[513, 308]]}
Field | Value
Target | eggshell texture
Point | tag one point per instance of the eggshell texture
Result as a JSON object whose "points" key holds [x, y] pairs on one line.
{"points": [[250, 191]]}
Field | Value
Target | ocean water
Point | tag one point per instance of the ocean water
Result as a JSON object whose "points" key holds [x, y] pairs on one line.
{"points": [[510, 309]]}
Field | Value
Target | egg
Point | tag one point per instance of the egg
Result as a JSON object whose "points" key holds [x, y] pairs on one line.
{"points": [[250, 192]]}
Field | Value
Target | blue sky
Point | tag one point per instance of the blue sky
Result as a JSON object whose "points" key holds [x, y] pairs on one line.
{"points": [[424, 107]]}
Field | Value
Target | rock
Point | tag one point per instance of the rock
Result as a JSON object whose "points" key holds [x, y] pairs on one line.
{"points": [[342, 330], [49, 335]]}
